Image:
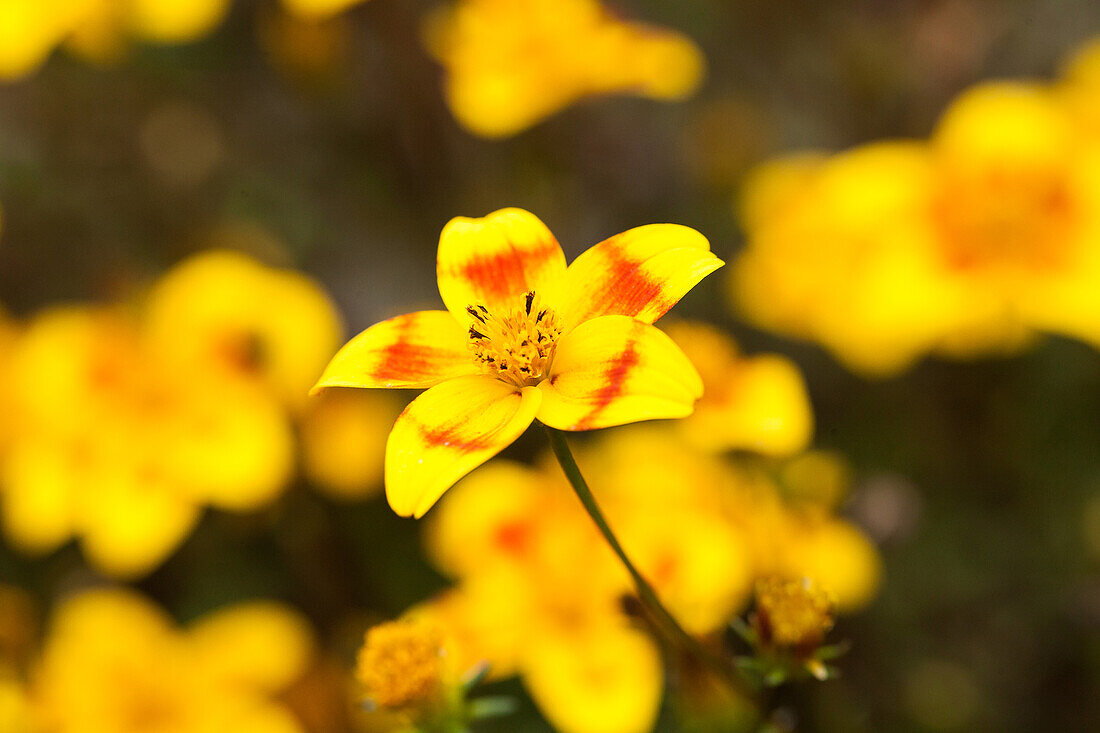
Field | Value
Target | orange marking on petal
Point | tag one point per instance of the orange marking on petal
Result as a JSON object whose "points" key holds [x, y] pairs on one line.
{"points": [[615, 377], [401, 359], [504, 274], [451, 436], [514, 537]]}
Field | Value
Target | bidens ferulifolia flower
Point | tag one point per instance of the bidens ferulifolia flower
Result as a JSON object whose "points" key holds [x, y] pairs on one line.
{"points": [[524, 338]]}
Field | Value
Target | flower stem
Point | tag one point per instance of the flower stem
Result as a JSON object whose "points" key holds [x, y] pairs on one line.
{"points": [[663, 619]]}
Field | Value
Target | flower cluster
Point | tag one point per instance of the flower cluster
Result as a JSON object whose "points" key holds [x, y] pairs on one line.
{"points": [[970, 242], [539, 594], [133, 417]]}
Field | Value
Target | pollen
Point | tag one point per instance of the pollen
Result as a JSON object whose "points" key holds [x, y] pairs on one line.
{"points": [[401, 664], [517, 345], [793, 613]]}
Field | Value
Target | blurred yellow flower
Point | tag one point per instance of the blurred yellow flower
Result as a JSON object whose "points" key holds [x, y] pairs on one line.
{"points": [[842, 252], [969, 243], [524, 337], [96, 29], [511, 63], [224, 312], [114, 663], [343, 435], [122, 447], [756, 403]]}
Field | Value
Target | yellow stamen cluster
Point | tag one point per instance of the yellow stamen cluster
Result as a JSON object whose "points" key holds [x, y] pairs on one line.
{"points": [[516, 346], [793, 613], [401, 664]]}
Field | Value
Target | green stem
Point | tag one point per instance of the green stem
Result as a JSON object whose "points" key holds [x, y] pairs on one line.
{"points": [[665, 620]]}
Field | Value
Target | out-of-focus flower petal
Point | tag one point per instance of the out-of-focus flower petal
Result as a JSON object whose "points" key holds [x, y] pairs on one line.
{"points": [[415, 350], [447, 432], [134, 521], [614, 370], [609, 681], [261, 645], [642, 273], [492, 261]]}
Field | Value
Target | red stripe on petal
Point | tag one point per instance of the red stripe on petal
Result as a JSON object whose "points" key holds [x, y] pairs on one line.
{"points": [[615, 376], [632, 289], [450, 436], [505, 274]]}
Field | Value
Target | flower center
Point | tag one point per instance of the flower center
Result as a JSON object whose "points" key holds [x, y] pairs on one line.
{"points": [[401, 664], [793, 613], [517, 345]]}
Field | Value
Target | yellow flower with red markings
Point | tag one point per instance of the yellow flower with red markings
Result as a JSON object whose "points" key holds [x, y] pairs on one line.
{"points": [[523, 338]]}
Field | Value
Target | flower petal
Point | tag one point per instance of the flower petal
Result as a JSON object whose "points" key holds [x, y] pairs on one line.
{"points": [[414, 350], [615, 370], [641, 273], [260, 645], [447, 432], [494, 260]]}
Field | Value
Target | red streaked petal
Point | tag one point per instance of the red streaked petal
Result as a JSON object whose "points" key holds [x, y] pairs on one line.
{"points": [[414, 350], [615, 370], [447, 432], [494, 260], [642, 273]]}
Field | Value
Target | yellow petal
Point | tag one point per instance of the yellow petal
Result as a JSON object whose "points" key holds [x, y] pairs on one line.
{"points": [[447, 432], [39, 478], [642, 273], [133, 521], [615, 370], [607, 681], [260, 645], [494, 260], [415, 350]]}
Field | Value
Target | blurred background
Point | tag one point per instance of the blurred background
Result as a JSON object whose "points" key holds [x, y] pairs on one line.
{"points": [[322, 145]]}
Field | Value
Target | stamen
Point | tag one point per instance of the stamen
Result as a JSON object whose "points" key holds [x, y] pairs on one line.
{"points": [[513, 346]]}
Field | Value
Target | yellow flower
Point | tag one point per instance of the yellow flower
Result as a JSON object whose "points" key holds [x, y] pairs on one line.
{"points": [[122, 448], [756, 403], [224, 312], [401, 664], [792, 613], [842, 252], [511, 63], [343, 435], [524, 337], [114, 663], [970, 243], [1015, 207]]}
